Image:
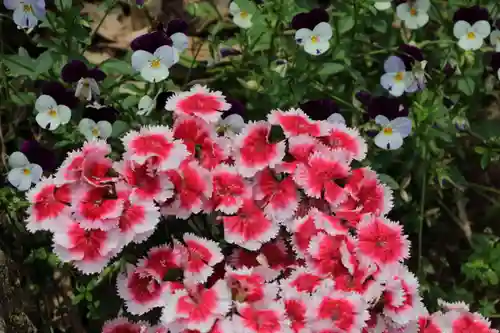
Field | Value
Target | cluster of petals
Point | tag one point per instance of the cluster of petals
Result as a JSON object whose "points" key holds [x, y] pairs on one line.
{"points": [[305, 243]]}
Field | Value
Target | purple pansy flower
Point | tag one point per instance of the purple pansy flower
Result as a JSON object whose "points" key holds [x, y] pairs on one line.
{"points": [[313, 31], [86, 79], [60, 94], [228, 51], [38, 154], [471, 27], [26, 12], [173, 34], [389, 107], [397, 79], [98, 112], [414, 61], [320, 109]]}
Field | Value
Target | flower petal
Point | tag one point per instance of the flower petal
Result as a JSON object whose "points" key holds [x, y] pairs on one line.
{"points": [[402, 125], [18, 160], [85, 127], [423, 5], [461, 28], [24, 19], [36, 172], [470, 44], [336, 118], [45, 120], [179, 41], [302, 35], [155, 74], [323, 30], [45, 103], [389, 141], [64, 114], [105, 129], [382, 4], [234, 9], [394, 64], [18, 179], [403, 11], [168, 55], [482, 28], [141, 59], [381, 120], [243, 21], [316, 48]]}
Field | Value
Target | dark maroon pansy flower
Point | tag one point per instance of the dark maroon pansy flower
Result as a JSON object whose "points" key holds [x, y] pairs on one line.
{"points": [[410, 54], [100, 112], [139, 3], [449, 69], [228, 51], [151, 41], [237, 107], [391, 107], [75, 70], [495, 62], [471, 14], [319, 109], [310, 19], [40, 155], [161, 99], [60, 94]]}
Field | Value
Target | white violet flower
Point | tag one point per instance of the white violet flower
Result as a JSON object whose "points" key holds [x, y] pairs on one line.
{"points": [[316, 41], [393, 132], [23, 173], [155, 67], [471, 37], [396, 79], [414, 13], [50, 115], [92, 130], [241, 18]]}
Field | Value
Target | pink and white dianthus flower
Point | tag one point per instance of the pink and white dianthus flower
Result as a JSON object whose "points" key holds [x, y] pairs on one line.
{"points": [[199, 256], [192, 190], [382, 241], [254, 152], [123, 325], [339, 136], [229, 189], [141, 290], [156, 143], [88, 250], [250, 227], [200, 102], [49, 205], [295, 122], [320, 175]]}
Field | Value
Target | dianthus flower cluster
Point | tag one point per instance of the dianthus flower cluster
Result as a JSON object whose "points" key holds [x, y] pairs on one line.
{"points": [[295, 236]]}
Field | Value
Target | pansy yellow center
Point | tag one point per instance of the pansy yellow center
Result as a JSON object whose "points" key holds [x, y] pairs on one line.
{"points": [[413, 11], [399, 76], [387, 131], [471, 35], [95, 131], [155, 63], [314, 39], [26, 171], [52, 113], [243, 14], [27, 8]]}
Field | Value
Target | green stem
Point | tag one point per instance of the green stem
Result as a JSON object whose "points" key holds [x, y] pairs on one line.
{"points": [[421, 222]]}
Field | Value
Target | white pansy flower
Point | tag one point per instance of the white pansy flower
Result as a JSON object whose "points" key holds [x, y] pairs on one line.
{"points": [[179, 41], [471, 37], [316, 41], [26, 12], [393, 132], [396, 78], [92, 130], [23, 173], [50, 115], [382, 4], [336, 118], [414, 13], [241, 18], [145, 106], [87, 88], [155, 67], [495, 40], [234, 122]]}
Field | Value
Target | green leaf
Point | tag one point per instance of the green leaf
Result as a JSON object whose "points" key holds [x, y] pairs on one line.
{"points": [[44, 62], [389, 181], [77, 299], [346, 23], [466, 85], [380, 26], [20, 65], [202, 9], [119, 127], [63, 5], [331, 68], [23, 98], [487, 129], [88, 297], [116, 66], [247, 6]]}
